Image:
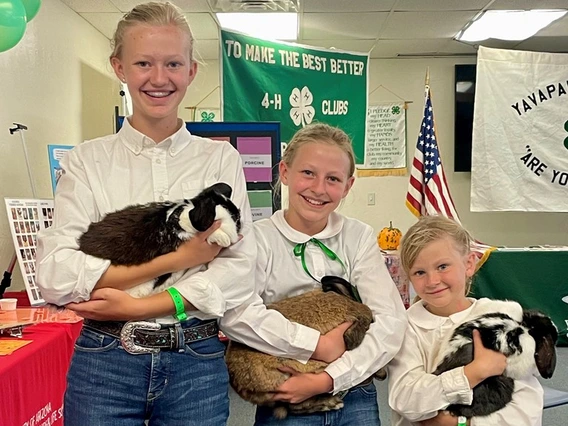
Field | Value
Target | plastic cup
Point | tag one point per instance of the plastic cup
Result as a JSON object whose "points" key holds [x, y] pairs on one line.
{"points": [[8, 304]]}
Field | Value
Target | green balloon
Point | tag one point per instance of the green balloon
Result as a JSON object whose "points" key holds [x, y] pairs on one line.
{"points": [[12, 23], [32, 7]]}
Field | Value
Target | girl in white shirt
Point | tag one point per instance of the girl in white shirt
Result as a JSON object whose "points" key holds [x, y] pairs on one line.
{"points": [[435, 253], [124, 374], [318, 167]]}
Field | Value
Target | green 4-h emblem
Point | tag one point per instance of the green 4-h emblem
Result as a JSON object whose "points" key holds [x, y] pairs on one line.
{"points": [[395, 110], [207, 116]]}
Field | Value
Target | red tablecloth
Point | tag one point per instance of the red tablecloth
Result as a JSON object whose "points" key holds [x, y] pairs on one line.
{"points": [[392, 260], [33, 378]]}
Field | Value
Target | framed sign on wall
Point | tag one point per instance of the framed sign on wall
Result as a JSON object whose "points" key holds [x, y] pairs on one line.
{"points": [[259, 146]]}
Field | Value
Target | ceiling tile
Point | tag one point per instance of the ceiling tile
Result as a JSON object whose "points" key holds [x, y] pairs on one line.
{"points": [[454, 47], [440, 5], [420, 25], [358, 46], [91, 6], [498, 44], [342, 25], [394, 48], [202, 25], [557, 28], [415, 26], [192, 5], [545, 44], [104, 22], [347, 6], [184, 5]]}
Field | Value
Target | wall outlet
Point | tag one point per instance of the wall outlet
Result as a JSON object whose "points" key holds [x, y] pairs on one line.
{"points": [[371, 199]]}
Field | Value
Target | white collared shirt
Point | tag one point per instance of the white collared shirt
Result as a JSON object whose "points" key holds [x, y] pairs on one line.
{"points": [[109, 173], [279, 274], [418, 394]]}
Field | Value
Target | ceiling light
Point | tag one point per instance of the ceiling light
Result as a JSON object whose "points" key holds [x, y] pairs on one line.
{"points": [[254, 5], [272, 26], [509, 24]]}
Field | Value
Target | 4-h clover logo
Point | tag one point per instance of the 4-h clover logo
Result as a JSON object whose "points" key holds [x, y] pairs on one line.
{"points": [[395, 110], [207, 116], [302, 111]]}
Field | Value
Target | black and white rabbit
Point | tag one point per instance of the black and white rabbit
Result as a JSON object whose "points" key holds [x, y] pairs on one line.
{"points": [[139, 233], [527, 338]]}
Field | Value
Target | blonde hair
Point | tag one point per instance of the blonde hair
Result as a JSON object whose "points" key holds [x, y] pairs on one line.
{"points": [[320, 133], [152, 13], [427, 230]]}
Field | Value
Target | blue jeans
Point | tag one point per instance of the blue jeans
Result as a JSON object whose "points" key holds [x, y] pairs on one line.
{"points": [[107, 386], [360, 409]]}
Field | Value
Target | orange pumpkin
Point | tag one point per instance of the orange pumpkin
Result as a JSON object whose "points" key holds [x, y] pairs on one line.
{"points": [[389, 238]]}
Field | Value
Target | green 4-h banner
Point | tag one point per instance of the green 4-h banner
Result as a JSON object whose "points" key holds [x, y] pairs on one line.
{"points": [[294, 85]]}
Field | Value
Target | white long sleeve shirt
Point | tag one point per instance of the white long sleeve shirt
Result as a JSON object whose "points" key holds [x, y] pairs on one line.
{"points": [[279, 274], [417, 394], [112, 172]]}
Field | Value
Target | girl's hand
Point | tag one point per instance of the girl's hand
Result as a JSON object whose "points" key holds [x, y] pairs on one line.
{"points": [[108, 304], [331, 345], [196, 251], [486, 362], [301, 386], [442, 419]]}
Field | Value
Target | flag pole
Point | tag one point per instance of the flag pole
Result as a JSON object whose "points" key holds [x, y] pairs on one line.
{"points": [[427, 79]]}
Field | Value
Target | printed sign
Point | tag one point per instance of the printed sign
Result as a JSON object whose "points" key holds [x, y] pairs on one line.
{"points": [[294, 85]]}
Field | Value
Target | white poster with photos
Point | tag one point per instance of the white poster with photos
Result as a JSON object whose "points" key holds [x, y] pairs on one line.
{"points": [[26, 218]]}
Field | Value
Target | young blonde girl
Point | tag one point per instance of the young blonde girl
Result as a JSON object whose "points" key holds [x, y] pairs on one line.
{"points": [[318, 168], [435, 253], [124, 374]]}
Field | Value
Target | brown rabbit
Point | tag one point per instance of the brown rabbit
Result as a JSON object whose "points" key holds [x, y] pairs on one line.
{"points": [[255, 375]]}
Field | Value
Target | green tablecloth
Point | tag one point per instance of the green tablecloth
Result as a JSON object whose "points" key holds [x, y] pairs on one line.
{"points": [[537, 279]]}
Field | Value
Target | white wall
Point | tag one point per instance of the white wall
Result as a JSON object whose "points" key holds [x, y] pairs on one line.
{"points": [[405, 77], [56, 81]]}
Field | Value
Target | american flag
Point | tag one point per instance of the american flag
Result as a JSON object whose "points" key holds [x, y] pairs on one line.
{"points": [[428, 191]]}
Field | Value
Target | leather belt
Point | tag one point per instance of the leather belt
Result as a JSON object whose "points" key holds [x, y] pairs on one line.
{"points": [[142, 337]]}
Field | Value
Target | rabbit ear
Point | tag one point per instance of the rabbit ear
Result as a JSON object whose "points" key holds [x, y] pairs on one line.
{"points": [[544, 332], [221, 188], [202, 215], [545, 357]]}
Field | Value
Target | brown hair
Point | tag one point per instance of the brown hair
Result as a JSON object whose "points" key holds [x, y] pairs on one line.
{"points": [[320, 133], [152, 13], [427, 230]]}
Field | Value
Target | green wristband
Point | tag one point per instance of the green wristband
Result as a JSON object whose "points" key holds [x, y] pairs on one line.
{"points": [[178, 302], [462, 421]]}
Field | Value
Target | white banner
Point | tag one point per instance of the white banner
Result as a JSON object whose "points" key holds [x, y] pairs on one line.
{"points": [[385, 145], [520, 132]]}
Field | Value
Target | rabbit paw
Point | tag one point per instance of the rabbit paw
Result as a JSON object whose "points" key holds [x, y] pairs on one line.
{"points": [[219, 237]]}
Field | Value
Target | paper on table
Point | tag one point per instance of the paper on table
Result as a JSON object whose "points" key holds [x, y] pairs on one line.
{"points": [[7, 346]]}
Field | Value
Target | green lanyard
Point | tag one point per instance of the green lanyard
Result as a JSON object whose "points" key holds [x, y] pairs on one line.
{"points": [[300, 248]]}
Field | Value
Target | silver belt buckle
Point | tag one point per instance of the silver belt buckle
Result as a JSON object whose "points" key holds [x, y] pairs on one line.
{"points": [[127, 337]]}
